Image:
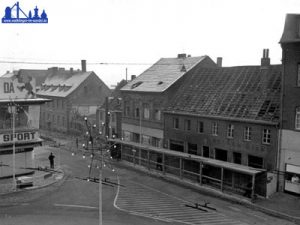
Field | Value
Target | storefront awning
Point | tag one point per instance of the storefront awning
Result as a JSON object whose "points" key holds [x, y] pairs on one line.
{"points": [[213, 162]]}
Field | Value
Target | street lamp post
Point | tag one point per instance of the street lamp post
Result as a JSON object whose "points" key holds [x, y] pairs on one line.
{"points": [[12, 110], [91, 141]]}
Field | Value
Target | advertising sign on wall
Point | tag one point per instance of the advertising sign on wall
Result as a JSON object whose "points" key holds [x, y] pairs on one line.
{"points": [[17, 87], [19, 137]]}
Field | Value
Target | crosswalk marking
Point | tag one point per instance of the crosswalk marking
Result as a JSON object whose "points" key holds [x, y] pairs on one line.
{"points": [[138, 199]]}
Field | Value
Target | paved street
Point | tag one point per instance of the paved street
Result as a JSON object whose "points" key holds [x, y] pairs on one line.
{"points": [[138, 199]]}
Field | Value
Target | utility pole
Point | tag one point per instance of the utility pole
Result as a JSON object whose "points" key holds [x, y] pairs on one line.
{"points": [[12, 109], [107, 116]]}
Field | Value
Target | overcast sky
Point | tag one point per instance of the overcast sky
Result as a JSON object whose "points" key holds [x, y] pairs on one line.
{"points": [[134, 34]]}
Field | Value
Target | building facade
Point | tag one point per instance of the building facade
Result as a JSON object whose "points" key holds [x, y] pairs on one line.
{"points": [[145, 97], [231, 115], [289, 156], [19, 124], [110, 113], [74, 95]]}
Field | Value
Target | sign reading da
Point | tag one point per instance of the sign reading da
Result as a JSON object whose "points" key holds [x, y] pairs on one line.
{"points": [[17, 87]]}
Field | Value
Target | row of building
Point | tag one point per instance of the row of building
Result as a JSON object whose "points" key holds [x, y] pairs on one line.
{"points": [[233, 128], [241, 122]]}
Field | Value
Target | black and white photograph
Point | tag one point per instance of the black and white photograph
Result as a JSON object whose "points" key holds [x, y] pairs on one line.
{"points": [[150, 112]]}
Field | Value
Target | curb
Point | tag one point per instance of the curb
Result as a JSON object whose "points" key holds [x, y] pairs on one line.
{"points": [[62, 179], [210, 191]]}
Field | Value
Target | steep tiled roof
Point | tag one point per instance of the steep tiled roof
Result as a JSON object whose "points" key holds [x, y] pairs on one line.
{"points": [[62, 83], [291, 32], [161, 75], [245, 92]]}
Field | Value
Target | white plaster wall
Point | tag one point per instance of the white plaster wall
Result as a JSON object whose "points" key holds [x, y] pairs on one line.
{"points": [[23, 160]]}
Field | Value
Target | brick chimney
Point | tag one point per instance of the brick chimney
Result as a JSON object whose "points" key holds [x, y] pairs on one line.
{"points": [[219, 61], [83, 65], [265, 60], [181, 56]]}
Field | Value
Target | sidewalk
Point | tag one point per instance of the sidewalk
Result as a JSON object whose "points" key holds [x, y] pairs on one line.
{"points": [[280, 204]]}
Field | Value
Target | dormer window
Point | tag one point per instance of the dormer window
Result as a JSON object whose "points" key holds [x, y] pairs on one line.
{"points": [[136, 84]]}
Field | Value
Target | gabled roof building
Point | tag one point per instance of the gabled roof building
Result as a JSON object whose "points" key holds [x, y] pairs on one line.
{"points": [[145, 97], [229, 114], [74, 94]]}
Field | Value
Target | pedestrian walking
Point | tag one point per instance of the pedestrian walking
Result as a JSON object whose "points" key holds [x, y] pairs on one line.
{"points": [[51, 159]]}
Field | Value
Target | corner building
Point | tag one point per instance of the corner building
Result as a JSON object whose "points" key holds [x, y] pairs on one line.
{"points": [[289, 157]]}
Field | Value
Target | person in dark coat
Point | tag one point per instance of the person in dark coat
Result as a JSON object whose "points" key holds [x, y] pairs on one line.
{"points": [[51, 159]]}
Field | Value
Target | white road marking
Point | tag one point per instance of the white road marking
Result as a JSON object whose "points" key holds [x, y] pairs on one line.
{"points": [[76, 206]]}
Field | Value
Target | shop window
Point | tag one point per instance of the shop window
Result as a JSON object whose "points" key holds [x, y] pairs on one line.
{"points": [[255, 161], [146, 140], [175, 123], [221, 154], [247, 133], [176, 146], [297, 119], [200, 127], [136, 137], [292, 178], [205, 151], [187, 124], [155, 141], [237, 157], [266, 136], [230, 130], [192, 148]]}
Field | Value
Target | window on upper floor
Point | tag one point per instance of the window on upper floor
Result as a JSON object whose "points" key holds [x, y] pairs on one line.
{"points": [[146, 111], [157, 114], [175, 123], [187, 124], [297, 119], [137, 112], [247, 133], [230, 131], [200, 127], [266, 139], [214, 129]]}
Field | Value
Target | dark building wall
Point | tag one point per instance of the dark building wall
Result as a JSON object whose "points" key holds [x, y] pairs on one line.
{"points": [[291, 92], [58, 114], [54, 114], [92, 91], [255, 147]]}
